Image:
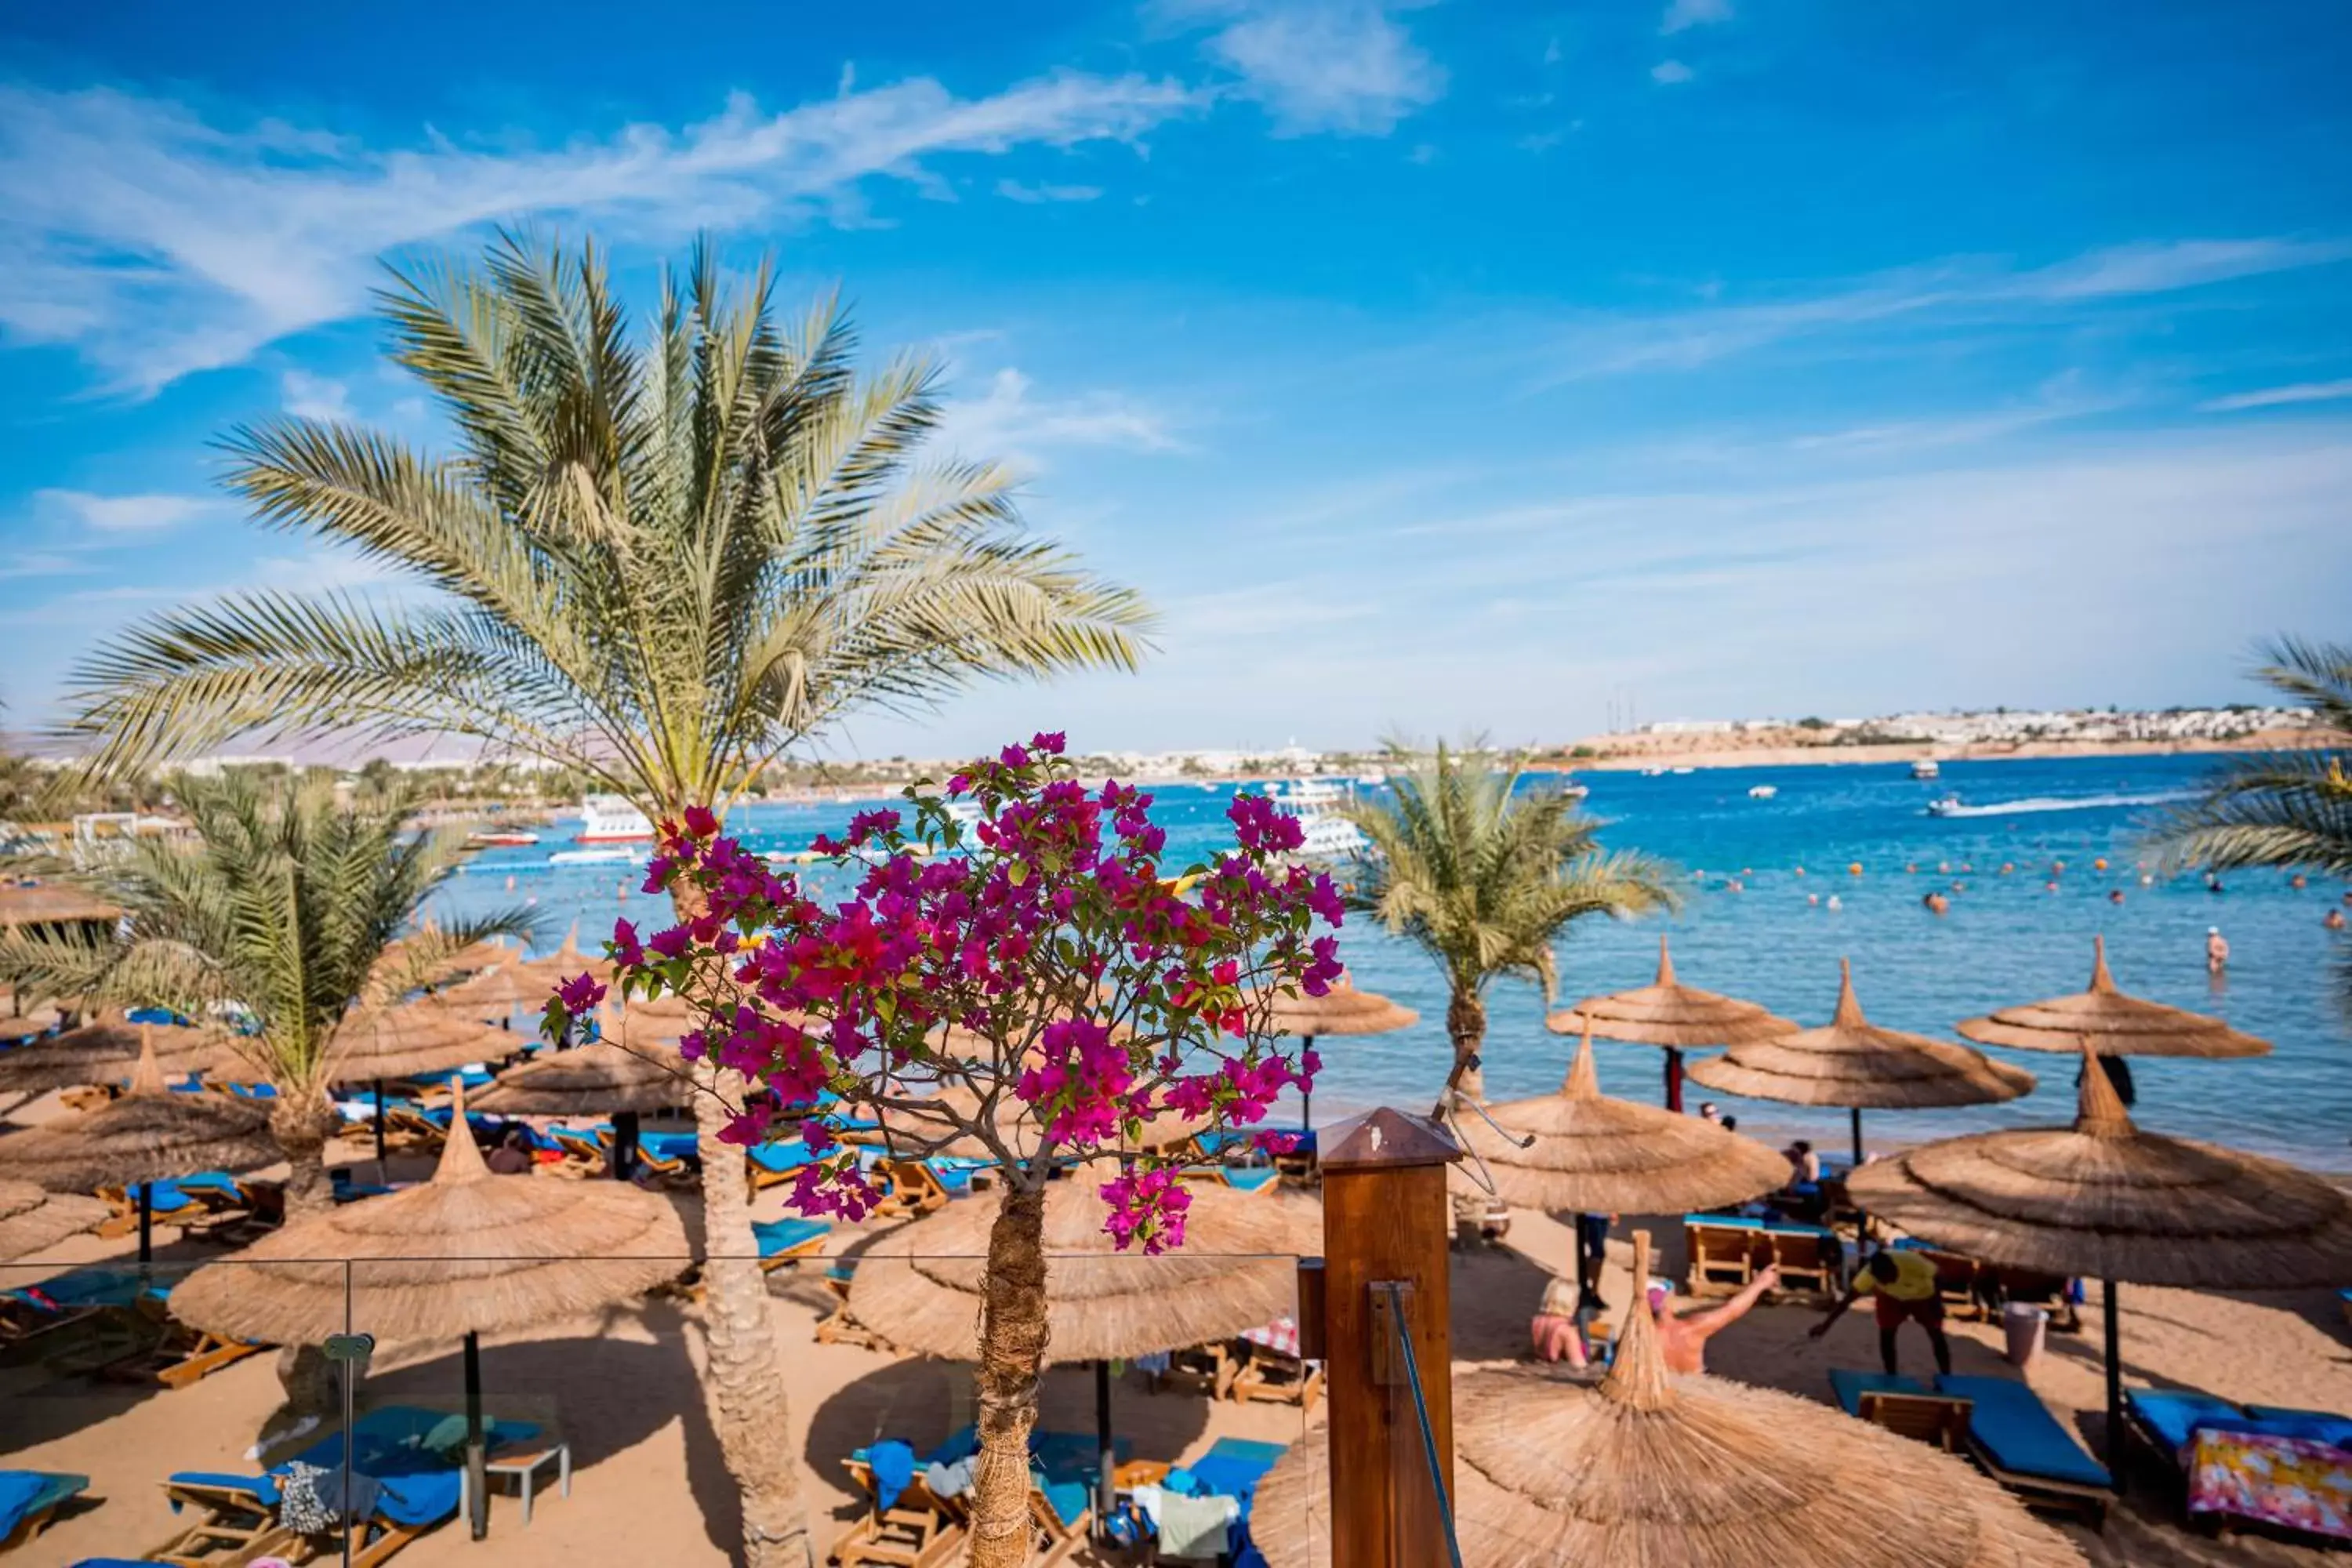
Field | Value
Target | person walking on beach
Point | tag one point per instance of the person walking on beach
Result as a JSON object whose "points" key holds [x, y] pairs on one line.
{"points": [[2216, 950], [1904, 1286]]}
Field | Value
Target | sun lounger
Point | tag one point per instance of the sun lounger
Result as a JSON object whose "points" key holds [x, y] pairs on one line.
{"points": [[1811, 1257], [773, 1162], [1243, 1178], [911, 1188], [166, 1206], [787, 1240], [1902, 1406], [2020, 1445], [1723, 1252], [904, 1526], [1229, 1471], [838, 1327], [30, 1501], [1269, 1369]]}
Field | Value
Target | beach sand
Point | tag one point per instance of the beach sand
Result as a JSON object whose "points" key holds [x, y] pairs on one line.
{"points": [[648, 1485]]}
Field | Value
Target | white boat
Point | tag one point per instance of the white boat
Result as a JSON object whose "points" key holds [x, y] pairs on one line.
{"points": [[1926, 768], [500, 838], [597, 857], [1679, 772], [1762, 792], [1328, 836], [964, 814], [1654, 773], [612, 819], [1373, 779], [1946, 806]]}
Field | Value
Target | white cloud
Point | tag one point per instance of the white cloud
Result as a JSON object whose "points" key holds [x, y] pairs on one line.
{"points": [[1015, 191], [1682, 13], [89, 513], [309, 396], [1345, 66], [1008, 422], [2280, 397], [40, 565], [1670, 73], [1960, 291], [159, 243]]}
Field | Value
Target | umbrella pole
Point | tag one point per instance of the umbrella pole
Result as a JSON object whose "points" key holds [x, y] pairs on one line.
{"points": [[1306, 1092], [1106, 1492], [146, 1223], [625, 1144], [379, 1129], [1674, 1080], [476, 1455], [2115, 1390], [1857, 1112]]}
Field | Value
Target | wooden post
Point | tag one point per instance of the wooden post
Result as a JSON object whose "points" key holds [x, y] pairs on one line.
{"points": [[1386, 1223]]}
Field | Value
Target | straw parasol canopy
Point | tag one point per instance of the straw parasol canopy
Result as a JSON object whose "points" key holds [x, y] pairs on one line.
{"points": [[374, 1042], [31, 1219], [610, 1075], [1341, 1010], [1592, 1154], [148, 1134], [2111, 1023], [27, 1027], [918, 1287], [1695, 1471], [2103, 1198], [511, 983], [1854, 1063], [464, 1253], [1667, 1013], [106, 1051]]}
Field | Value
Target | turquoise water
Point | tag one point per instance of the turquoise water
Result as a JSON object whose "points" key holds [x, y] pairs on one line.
{"points": [[2007, 938]]}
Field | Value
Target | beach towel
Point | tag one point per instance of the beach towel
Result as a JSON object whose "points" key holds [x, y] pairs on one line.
{"points": [[2292, 1482], [893, 1467], [19, 1491], [1195, 1526], [312, 1500]]}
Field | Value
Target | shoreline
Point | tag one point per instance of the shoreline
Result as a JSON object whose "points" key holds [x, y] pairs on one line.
{"points": [[1786, 756]]}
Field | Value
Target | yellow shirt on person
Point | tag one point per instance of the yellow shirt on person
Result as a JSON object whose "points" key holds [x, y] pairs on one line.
{"points": [[1915, 1277]]}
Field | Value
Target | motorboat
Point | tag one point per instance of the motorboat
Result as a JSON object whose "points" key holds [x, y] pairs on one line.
{"points": [[1926, 768], [612, 819], [500, 838], [1944, 806], [1762, 792]]}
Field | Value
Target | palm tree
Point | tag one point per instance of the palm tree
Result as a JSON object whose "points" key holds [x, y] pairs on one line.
{"points": [[2280, 810], [284, 908], [1484, 879], [660, 566]]}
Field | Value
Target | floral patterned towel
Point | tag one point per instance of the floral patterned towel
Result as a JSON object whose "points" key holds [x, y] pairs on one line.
{"points": [[2287, 1482]]}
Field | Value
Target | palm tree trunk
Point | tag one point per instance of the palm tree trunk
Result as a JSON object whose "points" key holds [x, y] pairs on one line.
{"points": [[745, 1378], [744, 1381], [302, 1123], [1465, 1024], [1013, 1335]]}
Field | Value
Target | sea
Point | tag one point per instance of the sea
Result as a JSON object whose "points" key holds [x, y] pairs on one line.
{"points": [[1836, 863]]}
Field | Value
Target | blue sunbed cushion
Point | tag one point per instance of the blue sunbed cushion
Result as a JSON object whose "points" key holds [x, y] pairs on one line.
{"points": [[1233, 1466], [1250, 1178], [670, 1145], [262, 1486], [1849, 1383], [2172, 1414], [2310, 1425], [98, 1287], [1070, 1500], [775, 1236], [786, 1156], [1734, 1221], [2017, 1431], [24, 1493], [416, 1485]]}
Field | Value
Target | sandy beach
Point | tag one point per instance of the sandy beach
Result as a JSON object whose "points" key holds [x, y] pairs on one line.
{"points": [[648, 1486]]}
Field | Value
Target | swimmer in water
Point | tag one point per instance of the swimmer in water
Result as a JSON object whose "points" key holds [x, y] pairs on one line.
{"points": [[2115, 896], [1936, 903], [2334, 919]]}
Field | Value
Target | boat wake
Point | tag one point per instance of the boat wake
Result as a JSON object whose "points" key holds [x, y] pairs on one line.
{"points": [[2055, 802]]}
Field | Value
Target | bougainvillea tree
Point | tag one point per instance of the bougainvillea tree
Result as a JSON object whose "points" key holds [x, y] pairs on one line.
{"points": [[1044, 963]]}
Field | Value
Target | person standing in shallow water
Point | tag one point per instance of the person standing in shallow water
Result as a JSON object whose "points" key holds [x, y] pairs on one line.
{"points": [[2216, 950]]}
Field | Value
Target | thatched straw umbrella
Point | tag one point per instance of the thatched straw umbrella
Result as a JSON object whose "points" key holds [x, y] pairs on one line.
{"points": [[1854, 1063], [615, 1077], [2102, 1198], [106, 1051], [31, 1219], [2108, 1023], [919, 1286], [1696, 1471], [1342, 1010], [465, 1253], [376, 1043], [1669, 1013], [147, 1135]]}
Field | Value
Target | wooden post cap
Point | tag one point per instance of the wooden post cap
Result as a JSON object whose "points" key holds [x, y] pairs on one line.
{"points": [[1385, 1138]]}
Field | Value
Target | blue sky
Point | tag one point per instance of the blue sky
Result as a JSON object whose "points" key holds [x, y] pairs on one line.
{"points": [[1433, 367]]}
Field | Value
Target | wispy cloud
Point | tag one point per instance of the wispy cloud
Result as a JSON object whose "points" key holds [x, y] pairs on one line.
{"points": [[1686, 14], [160, 243], [1345, 66], [309, 396], [2280, 397], [1009, 421], [88, 513], [41, 564], [1015, 191], [1670, 73], [1967, 289]]}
